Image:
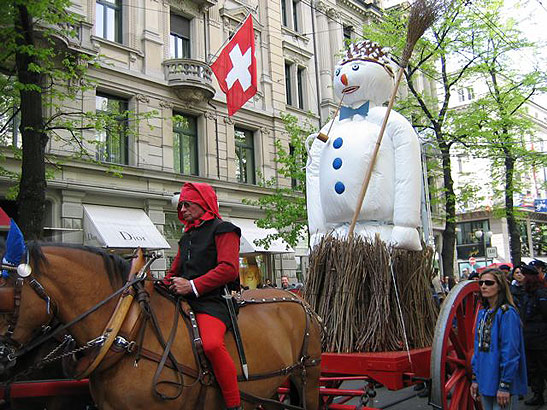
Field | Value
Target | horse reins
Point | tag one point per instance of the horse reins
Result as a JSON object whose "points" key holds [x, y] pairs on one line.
{"points": [[39, 289], [167, 358]]}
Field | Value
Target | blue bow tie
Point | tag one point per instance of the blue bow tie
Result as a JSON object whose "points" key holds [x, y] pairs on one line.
{"points": [[347, 112]]}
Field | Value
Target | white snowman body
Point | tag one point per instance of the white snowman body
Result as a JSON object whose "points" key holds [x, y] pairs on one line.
{"points": [[336, 169]]}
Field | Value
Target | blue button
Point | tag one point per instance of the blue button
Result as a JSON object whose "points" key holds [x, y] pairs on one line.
{"points": [[337, 163], [339, 187], [337, 142]]}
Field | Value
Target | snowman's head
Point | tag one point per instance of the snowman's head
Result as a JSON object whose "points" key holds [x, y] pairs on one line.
{"points": [[364, 74]]}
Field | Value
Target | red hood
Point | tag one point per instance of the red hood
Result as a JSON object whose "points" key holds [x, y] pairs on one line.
{"points": [[201, 194]]}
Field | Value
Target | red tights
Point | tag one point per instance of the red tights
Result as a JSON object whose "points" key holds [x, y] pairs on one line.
{"points": [[212, 332]]}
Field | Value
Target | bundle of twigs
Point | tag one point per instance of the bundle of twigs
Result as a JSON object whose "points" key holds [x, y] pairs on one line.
{"points": [[350, 284]]}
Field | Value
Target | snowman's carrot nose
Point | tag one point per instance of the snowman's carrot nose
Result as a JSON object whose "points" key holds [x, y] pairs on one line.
{"points": [[344, 79]]}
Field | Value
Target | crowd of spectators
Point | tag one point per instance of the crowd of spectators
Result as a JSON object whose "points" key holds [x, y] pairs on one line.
{"points": [[528, 290]]}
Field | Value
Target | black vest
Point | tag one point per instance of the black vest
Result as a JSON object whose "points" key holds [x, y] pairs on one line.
{"points": [[198, 255]]}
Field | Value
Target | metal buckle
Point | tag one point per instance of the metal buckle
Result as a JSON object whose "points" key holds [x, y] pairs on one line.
{"points": [[123, 343], [97, 341]]}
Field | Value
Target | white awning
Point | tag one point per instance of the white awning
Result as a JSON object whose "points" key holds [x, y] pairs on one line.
{"points": [[250, 232], [126, 228], [526, 259]]}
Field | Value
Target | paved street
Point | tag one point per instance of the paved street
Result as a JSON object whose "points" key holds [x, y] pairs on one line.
{"points": [[407, 399]]}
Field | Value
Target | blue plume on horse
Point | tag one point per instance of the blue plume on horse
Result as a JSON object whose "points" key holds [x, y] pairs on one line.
{"points": [[15, 245]]}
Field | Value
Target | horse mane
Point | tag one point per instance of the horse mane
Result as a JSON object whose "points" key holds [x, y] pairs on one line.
{"points": [[115, 266]]}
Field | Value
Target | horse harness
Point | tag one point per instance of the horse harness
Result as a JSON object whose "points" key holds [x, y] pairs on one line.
{"points": [[205, 375], [107, 354]]}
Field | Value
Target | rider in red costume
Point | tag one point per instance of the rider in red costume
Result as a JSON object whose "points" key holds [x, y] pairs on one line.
{"points": [[208, 259]]}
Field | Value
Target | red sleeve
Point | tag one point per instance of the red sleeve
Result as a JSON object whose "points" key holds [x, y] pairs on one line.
{"points": [[172, 269], [227, 269]]}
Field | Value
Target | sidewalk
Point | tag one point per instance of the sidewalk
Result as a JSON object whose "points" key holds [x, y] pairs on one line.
{"points": [[407, 399]]}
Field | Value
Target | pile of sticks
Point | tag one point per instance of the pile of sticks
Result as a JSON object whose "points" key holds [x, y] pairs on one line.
{"points": [[350, 285]]}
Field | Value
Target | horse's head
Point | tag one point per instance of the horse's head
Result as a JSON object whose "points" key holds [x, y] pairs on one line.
{"points": [[24, 310]]}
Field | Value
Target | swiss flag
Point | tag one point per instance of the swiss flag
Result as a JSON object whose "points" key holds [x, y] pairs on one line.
{"points": [[235, 67]]}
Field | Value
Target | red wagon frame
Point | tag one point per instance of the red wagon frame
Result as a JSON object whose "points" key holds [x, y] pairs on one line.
{"points": [[446, 365]]}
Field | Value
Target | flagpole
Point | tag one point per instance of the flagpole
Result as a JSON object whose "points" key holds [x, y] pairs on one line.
{"points": [[208, 62]]}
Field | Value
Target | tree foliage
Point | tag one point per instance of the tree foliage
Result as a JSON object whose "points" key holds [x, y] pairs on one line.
{"points": [[498, 126], [43, 78], [285, 207], [466, 45], [447, 40]]}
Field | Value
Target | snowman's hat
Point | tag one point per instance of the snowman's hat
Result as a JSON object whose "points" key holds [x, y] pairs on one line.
{"points": [[367, 50]]}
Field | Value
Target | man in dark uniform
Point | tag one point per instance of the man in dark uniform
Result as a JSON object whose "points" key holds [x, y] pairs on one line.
{"points": [[540, 266], [533, 311], [208, 259]]}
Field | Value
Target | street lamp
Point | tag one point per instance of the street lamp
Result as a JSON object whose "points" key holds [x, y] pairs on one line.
{"points": [[484, 235]]}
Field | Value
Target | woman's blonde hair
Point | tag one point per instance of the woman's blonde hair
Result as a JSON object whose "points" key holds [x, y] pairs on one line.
{"points": [[504, 295]]}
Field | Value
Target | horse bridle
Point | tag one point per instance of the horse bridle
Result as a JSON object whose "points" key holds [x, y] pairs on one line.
{"points": [[11, 349], [10, 303]]}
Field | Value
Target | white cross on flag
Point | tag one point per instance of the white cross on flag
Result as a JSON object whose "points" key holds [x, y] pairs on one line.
{"points": [[235, 67]]}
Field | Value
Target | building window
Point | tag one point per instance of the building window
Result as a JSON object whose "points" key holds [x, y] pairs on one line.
{"points": [[185, 144], [108, 23], [470, 93], [461, 95], [179, 38], [294, 85], [300, 75], [347, 34], [295, 23], [468, 243], [112, 137], [299, 164], [465, 234], [245, 163], [465, 94], [290, 14], [288, 83], [9, 128], [173, 229], [284, 16]]}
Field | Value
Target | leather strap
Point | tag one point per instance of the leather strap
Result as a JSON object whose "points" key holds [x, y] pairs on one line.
{"points": [[118, 317]]}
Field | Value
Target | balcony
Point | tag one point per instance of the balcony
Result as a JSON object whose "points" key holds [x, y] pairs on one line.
{"points": [[192, 80]]}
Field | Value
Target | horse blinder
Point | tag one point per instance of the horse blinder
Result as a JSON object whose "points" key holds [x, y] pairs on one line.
{"points": [[7, 299]]}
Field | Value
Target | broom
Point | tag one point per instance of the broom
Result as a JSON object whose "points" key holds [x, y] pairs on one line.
{"points": [[422, 15]]}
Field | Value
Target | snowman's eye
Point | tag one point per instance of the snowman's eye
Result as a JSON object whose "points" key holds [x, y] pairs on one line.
{"points": [[355, 67], [337, 72]]}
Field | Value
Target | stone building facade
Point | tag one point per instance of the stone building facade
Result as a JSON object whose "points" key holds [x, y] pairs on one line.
{"points": [[154, 58]]}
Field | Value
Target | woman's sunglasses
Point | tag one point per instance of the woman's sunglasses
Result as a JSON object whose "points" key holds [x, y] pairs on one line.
{"points": [[487, 282]]}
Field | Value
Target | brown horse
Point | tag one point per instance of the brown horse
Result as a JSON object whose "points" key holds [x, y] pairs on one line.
{"points": [[78, 278]]}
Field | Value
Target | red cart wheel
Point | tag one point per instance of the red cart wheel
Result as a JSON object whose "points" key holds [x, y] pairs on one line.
{"points": [[453, 349]]}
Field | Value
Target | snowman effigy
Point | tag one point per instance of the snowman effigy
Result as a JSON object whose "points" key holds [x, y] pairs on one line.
{"points": [[363, 81], [370, 273]]}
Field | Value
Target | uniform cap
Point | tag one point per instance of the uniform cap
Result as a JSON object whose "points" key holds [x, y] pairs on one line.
{"points": [[529, 270]]}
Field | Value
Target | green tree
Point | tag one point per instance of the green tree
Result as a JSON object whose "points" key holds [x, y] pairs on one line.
{"points": [[33, 63], [467, 44], [285, 208], [452, 35], [43, 70], [502, 130]]}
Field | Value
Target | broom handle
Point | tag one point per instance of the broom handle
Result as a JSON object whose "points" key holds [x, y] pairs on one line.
{"points": [[366, 180]]}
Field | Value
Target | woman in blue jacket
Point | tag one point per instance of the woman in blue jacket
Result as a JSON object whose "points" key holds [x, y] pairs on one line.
{"points": [[499, 363]]}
